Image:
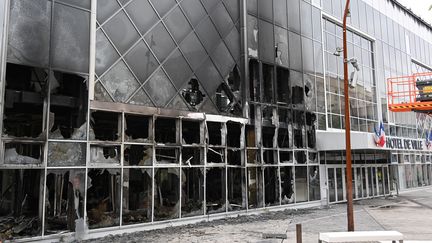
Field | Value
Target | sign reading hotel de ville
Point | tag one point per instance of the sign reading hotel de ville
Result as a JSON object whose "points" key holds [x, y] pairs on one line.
{"points": [[382, 141]]}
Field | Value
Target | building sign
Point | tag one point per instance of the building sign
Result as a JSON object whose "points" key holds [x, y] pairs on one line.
{"points": [[402, 143]]}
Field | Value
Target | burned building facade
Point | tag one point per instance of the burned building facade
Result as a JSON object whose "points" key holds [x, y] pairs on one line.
{"points": [[128, 114]]}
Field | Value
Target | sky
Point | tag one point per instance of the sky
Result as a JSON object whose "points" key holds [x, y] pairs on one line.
{"points": [[419, 7]]}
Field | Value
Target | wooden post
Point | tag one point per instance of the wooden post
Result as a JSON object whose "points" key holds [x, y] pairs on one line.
{"points": [[299, 233]]}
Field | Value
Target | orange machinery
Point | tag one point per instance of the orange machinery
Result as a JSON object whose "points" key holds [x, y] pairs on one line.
{"points": [[410, 93]]}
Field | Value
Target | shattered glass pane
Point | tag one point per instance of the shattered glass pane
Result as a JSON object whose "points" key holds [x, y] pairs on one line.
{"points": [[66, 154], [71, 34], [105, 53], [215, 198], [281, 43], [192, 192], [236, 189], [138, 155], [65, 200], [138, 128], [29, 28], [255, 188], [252, 26], [120, 82], [104, 155], [160, 88], [20, 203], [167, 155], [22, 153], [287, 184], [167, 194], [192, 156], [137, 196], [103, 198], [271, 182]]}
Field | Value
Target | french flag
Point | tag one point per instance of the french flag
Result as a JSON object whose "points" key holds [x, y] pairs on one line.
{"points": [[380, 136]]}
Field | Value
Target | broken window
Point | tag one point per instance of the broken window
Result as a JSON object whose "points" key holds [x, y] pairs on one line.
{"points": [[214, 130], [283, 138], [192, 156], [192, 192], [270, 156], [287, 184], [250, 137], [215, 155], [297, 89], [255, 187], [167, 193], [300, 156], [235, 157], [66, 154], [298, 127], [268, 137], [191, 132], [268, 76], [166, 155], [20, 201], [103, 198], [68, 106], [234, 134], [283, 90], [65, 200], [236, 189], [271, 186], [314, 183], [284, 116], [166, 130], [193, 95], [309, 89], [285, 156], [138, 129], [311, 135], [267, 114], [215, 197], [138, 155], [301, 184], [106, 125], [104, 155], [23, 153], [312, 157], [253, 156], [137, 196], [26, 90]]}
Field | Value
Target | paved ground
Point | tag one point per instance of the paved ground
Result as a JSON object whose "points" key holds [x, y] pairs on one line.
{"points": [[410, 214]]}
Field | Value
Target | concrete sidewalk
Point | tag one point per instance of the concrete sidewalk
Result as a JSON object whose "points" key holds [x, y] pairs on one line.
{"points": [[410, 214]]}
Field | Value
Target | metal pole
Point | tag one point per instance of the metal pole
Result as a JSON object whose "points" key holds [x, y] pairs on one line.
{"points": [[350, 214], [299, 233]]}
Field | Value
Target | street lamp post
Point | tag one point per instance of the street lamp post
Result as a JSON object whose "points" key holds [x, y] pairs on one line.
{"points": [[350, 213]]}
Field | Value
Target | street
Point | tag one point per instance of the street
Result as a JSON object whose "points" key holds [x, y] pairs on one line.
{"points": [[410, 214]]}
